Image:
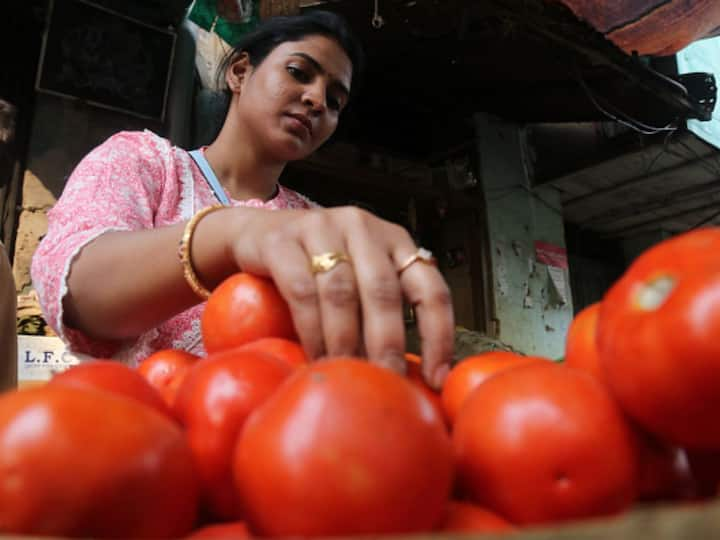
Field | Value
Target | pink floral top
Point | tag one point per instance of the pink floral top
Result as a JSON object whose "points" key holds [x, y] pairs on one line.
{"points": [[133, 181]]}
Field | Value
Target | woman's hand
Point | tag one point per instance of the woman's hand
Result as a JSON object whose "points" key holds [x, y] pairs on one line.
{"points": [[355, 307]]}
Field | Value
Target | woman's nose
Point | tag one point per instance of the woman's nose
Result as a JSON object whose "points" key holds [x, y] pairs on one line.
{"points": [[314, 99]]}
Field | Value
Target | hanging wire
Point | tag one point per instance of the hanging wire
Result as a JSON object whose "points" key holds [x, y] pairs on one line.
{"points": [[664, 150], [619, 116], [671, 81]]}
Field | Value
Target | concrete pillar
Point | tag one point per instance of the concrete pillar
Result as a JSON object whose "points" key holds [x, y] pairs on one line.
{"points": [[532, 311]]}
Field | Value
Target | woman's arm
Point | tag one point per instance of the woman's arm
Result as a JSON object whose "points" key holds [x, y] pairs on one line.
{"points": [[124, 283]]}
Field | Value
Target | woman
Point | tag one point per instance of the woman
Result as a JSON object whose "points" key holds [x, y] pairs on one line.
{"points": [[108, 272]]}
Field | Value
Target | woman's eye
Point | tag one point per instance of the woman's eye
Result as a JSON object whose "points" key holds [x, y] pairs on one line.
{"points": [[298, 74], [333, 103]]}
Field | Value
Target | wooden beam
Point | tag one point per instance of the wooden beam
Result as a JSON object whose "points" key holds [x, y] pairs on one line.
{"points": [[563, 28], [654, 203], [660, 219], [634, 181]]}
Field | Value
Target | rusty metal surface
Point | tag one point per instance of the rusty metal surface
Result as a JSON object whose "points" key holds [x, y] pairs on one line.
{"points": [[650, 27]]}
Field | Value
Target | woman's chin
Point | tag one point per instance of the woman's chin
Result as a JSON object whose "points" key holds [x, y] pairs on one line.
{"points": [[293, 150]]}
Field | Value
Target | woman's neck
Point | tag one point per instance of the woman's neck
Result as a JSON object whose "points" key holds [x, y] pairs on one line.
{"points": [[241, 171]]}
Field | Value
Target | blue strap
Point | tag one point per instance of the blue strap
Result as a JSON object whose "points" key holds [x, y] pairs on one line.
{"points": [[207, 171]]}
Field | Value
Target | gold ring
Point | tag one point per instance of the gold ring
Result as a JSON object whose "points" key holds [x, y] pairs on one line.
{"points": [[422, 255], [327, 261]]}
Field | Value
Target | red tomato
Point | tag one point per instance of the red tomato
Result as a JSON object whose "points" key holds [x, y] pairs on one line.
{"points": [[664, 471], [467, 375], [581, 350], [290, 351], [414, 374], [112, 376], [413, 366], [221, 531], [468, 517], [86, 463], [658, 340], [545, 443], [705, 468], [344, 447], [165, 370], [244, 308], [213, 402]]}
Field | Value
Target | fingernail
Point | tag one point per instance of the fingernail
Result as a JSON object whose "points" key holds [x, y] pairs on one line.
{"points": [[439, 376], [394, 361]]}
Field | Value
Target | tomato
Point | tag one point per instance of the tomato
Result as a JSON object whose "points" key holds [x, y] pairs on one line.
{"points": [[165, 370], [213, 402], [463, 516], [664, 471], [112, 376], [344, 447], [290, 351], [86, 463], [413, 363], [414, 374], [413, 367], [221, 531], [581, 349], [705, 469], [244, 308], [657, 336], [467, 375], [545, 443]]}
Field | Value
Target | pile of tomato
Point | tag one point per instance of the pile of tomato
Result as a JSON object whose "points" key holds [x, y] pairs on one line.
{"points": [[255, 440]]}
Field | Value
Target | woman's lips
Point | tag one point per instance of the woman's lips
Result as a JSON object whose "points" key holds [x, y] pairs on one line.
{"points": [[300, 122]]}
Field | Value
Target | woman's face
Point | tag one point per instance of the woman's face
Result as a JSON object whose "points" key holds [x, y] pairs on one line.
{"points": [[292, 101]]}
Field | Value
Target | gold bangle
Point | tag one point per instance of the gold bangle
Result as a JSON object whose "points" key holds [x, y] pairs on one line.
{"points": [[184, 251]]}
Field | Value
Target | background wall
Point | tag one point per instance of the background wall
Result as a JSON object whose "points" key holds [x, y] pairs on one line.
{"points": [[62, 133], [530, 314]]}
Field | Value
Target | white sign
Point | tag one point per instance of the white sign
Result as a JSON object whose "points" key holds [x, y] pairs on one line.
{"points": [[40, 357]]}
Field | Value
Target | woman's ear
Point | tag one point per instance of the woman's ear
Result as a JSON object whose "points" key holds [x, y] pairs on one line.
{"points": [[237, 72]]}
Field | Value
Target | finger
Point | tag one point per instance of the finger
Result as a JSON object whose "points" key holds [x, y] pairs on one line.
{"points": [[428, 293], [338, 297], [381, 301], [297, 285]]}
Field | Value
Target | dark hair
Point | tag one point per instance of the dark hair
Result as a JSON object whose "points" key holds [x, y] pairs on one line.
{"points": [[261, 41]]}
